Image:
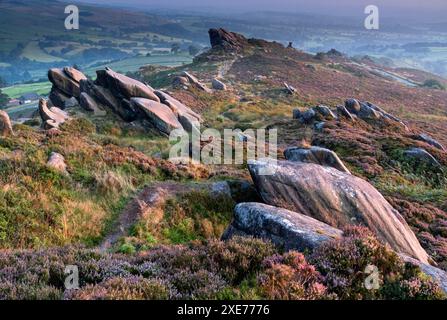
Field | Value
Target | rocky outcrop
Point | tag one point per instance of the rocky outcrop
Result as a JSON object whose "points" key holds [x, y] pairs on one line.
{"points": [[90, 104], [57, 162], [51, 117], [318, 155], [226, 40], [195, 82], [422, 155], [335, 198], [5, 125], [160, 115], [325, 112], [123, 86], [66, 81], [287, 229], [218, 85]]}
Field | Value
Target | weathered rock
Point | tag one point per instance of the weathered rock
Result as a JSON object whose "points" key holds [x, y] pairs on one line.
{"points": [[308, 115], [437, 275], [317, 155], [123, 86], [343, 112], [180, 82], [105, 97], [286, 229], [89, 104], [5, 125], [333, 197], [325, 112], [57, 162], [366, 112], [51, 117], [319, 126], [289, 89], [74, 74], [297, 114], [386, 115], [223, 39], [160, 115], [194, 81], [218, 85], [422, 155], [426, 138], [352, 105], [64, 82]]}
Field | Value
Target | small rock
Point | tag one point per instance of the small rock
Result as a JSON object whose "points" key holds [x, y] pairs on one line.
{"points": [[352, 105], [5, 125], [342, 111], [193, 80], [297, 114], [57, 162], [422, 155], [426, 138], [218, 85], [289, 89], [319, 126], [325, 112], [308, 115], [51, 117]]}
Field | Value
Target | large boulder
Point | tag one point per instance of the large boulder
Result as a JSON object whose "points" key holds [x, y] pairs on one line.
{"points": [[160, 115], [123, 86], [5, 125], [51, 117], [333, 197], [318, 155], [287, 229], [66, 80]]}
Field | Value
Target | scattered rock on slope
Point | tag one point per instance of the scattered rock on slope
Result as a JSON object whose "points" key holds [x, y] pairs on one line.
{"points": [[422, 155], [334, 197], [5, 125], [57, 162], [426, 138], [51, 117], [218, 85], [194, 81], [287, 229], [318, 155]]}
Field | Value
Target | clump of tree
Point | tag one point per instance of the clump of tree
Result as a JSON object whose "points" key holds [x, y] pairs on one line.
{"points": [[433, 84]]}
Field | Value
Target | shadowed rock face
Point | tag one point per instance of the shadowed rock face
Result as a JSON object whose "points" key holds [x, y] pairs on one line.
{"points": [[336, 198], [159, 114], [287, 229], [321, 156], [226, 40]]}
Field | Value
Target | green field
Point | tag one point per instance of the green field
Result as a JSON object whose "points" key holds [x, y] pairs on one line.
{"points": [[42, 88]]}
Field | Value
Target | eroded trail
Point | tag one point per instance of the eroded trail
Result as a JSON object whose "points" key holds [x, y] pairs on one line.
{"points": [[148, 201]]}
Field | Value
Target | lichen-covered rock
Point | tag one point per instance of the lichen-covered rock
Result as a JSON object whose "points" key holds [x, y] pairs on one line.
{"points": [[287, 229], [333, 197], [160, 115], [5, 125], [318, 155]]}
